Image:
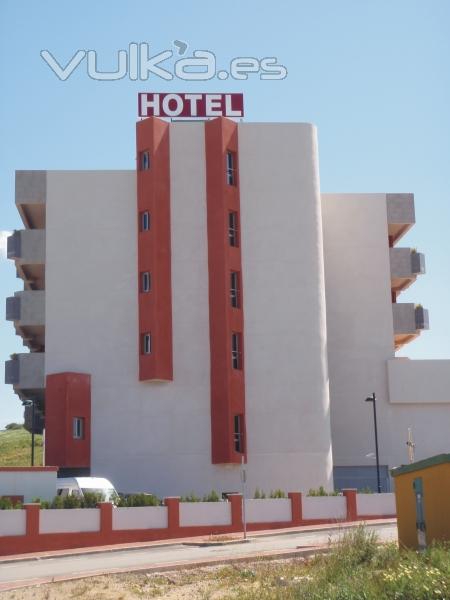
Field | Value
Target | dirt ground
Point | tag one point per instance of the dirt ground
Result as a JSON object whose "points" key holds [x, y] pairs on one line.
{"points": [[209, 583]]}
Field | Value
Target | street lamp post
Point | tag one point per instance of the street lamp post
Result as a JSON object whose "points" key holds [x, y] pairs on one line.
{"points": [[32, 404], [373, 399]]}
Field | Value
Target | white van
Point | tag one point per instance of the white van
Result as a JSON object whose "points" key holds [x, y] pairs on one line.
{"points": [[77, 486]]}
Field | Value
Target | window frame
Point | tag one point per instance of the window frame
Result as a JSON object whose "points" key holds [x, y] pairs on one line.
{"points": [[78, 428], [236, 350], [238, 434], [231, 168], [145, 222], [146, 343], [144, 160], [146, 282], [233, 228], [235, 289]]}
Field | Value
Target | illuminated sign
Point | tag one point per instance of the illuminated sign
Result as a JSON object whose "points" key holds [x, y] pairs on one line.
{"points": [[191, 105]]}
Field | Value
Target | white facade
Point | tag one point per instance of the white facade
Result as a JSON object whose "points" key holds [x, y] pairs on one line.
{"points": [[317, 281]]}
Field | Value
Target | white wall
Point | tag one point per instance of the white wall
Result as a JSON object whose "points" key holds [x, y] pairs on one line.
{"points": [[286, 378], [361, 343], [324, 507], [68, 520], [140, 517], [419, 381], [156, 436], [269, 510], [205, 513], [375, 504], [12, 522], [29, 484]]}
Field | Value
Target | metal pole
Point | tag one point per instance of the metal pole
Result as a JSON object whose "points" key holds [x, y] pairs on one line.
{"points": [[32, 435], [376, 441], [243, 480]]}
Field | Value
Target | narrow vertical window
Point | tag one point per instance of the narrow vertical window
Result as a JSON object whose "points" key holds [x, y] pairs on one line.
{"points": [[145, 160], [78, 428], [236, 350], [231, 168], [146, 282], [145, 220], [235, 289], [238, 434], [146, 343], [233, 232]]}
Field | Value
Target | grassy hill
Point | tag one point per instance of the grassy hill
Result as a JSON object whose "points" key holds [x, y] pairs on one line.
{"points": [[15, 448]]}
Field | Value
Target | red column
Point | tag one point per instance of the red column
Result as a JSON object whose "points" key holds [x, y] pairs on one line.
{"points": [[173, 516], [154, 249], [350, 496], [227, 383], [236, 511], [32, 519], [106, 526], [296, 507]]}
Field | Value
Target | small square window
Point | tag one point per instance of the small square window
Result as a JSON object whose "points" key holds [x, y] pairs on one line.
{"points": [[231, 168], [146, 282], [78, 428], [146, 343], [145, 160], [145, 221]]}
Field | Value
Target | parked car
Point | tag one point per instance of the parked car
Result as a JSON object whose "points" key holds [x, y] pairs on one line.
{"points": [[78, 486]]}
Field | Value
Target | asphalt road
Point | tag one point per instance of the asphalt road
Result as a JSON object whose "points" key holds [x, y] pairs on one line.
{"points": [[37, 571]]}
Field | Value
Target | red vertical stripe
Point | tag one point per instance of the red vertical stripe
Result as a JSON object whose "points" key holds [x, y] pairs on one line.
{"points": [[67, 395], [154, 250], [227, 384]]}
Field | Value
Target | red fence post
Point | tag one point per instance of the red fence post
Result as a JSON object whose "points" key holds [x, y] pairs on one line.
{"points": [[296, 507], [173, 516], [32, 519], [350, 496], [106, 509], [236, 512]]}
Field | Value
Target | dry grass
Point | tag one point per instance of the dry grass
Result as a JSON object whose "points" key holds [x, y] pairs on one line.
{"points": [[15, 448]]}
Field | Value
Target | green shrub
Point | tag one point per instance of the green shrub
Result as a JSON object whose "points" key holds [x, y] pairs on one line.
{"points": [[259, 494], [213, 496], [7, 504], [321, 491], [191, 497], [365, 490], [277, 494], [138, 500], [12, 426]]}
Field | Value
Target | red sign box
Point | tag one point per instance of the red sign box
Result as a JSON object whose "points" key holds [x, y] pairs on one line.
{"points": [[190, 105]]}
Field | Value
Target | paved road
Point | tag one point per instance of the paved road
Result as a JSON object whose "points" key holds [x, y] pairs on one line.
{"points": [[36, 571]]}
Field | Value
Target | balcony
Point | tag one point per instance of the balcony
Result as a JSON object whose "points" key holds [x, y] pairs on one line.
{"points": [[27, 311], [406, 264], [31, 193], [26, 373], [27, 249], [400, 215], [409, 320]]}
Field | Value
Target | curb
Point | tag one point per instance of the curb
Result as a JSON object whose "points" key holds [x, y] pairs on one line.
{"points": [[186, 542]]}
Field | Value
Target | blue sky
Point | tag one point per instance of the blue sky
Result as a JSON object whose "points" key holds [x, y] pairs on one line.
{"points": [[373, 76]]}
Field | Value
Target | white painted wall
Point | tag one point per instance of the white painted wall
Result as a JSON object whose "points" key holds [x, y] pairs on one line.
{"points": [[269, 510], [324, 507], [205, 513], [12, 522], [140, 517], [375, 504], [286, 385], [156, 436], [69, 520], [361, 343], [29, 484]]}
